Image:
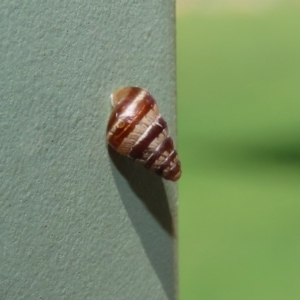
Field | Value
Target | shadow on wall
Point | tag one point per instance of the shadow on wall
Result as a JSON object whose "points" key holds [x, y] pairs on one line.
{"points": [[154, 225]]}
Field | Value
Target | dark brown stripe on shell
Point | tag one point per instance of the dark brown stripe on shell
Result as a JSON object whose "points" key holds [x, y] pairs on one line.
{"points": [[167, 145], [156, 129], [130, 121], [122, 106], [173, 171], [166, 163]]}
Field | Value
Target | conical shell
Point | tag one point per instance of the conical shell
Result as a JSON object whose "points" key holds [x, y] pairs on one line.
{"points": [[136, 129]]}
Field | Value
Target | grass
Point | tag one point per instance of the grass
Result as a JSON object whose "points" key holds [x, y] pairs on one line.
{"points": [[239, 128]]}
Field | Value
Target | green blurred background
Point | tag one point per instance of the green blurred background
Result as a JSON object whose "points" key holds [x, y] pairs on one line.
{"points": [[239, 128]]}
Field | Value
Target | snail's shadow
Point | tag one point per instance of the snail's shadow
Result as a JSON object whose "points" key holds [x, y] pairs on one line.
{"points": [[152, 221]]}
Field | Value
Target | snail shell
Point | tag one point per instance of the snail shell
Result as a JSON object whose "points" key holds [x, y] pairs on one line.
{"points": [[136, 129]]}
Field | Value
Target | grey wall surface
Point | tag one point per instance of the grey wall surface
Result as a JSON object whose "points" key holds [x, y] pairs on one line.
{"points": [[78, 221]]}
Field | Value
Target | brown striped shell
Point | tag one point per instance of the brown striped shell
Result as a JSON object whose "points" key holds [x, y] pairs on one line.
{"points": [[137, 129]]}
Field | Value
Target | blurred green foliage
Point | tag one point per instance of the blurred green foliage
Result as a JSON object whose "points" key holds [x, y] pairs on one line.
{"points": [[239, 143]]}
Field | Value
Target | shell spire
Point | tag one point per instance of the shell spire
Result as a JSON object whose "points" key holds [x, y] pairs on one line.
{"points": [[136, 129]]}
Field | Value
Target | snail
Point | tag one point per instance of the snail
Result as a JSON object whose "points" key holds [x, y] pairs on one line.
{"points": [[136, 129]]}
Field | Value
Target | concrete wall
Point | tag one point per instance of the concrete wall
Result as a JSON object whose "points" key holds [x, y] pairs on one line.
{"points": [[78, 221]]}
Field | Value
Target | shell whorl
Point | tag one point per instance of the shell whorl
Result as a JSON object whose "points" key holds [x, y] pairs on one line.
{"points": [[136, 129]]}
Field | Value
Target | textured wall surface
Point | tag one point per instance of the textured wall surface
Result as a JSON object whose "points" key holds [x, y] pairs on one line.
{"points": [[78, 221]]}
